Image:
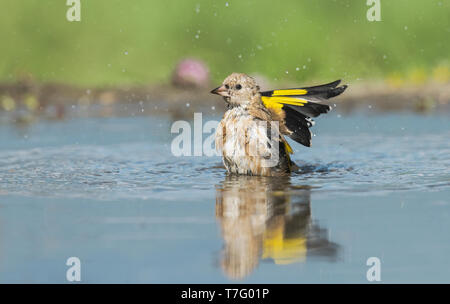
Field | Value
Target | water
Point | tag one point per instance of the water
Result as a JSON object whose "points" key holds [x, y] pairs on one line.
{"points": [[108, 191]]}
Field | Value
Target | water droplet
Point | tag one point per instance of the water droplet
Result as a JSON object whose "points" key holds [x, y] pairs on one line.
{"points": [[188, 105], [126, 53], [226, 4], [297, 69]]}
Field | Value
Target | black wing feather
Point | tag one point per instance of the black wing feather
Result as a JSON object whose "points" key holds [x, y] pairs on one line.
{"points": [[312, 109], [299, 124], [319, 92], [298, 118]]}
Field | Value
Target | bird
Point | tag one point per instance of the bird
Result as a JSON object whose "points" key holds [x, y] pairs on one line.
{"points": [[251, 134]]}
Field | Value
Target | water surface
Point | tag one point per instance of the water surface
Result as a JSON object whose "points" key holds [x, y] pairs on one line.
{"points": [[109, 191]]}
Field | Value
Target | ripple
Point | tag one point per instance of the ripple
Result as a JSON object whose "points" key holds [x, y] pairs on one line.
{"points": [[345, 162]]}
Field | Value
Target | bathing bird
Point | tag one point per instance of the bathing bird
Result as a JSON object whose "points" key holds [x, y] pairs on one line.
{"points": [[251, 134]]}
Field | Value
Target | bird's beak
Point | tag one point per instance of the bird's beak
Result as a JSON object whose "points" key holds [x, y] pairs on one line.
{"points": [[222, 91]]}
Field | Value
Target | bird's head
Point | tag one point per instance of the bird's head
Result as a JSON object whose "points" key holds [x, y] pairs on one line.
{"points": [[238, 89]]}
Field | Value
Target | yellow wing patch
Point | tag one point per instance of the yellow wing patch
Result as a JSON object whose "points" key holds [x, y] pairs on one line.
{"points": [[288, 148], [278, 102], [289, 92], [281, 249]]}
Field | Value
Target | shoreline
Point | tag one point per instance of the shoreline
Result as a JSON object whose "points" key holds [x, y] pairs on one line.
{"points": [[181, 102]]}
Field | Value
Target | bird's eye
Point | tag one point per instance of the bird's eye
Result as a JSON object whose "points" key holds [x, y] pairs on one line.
{"points": [[238, 87], [227, 86]]}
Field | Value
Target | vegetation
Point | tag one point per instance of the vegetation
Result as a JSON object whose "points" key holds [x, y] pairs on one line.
{"points": [[140, 41]]}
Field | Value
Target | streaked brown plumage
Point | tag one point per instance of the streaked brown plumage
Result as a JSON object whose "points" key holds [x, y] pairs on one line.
{"points": [[251, 133]]}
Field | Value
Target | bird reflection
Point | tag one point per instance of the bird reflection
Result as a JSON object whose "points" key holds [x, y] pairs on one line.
{"points": [[267, 218]]}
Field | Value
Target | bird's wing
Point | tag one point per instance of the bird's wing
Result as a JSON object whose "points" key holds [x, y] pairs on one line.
{"points": [[299, 105]]}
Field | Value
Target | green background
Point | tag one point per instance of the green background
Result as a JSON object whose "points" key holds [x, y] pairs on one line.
{"points": [[140, 41]]}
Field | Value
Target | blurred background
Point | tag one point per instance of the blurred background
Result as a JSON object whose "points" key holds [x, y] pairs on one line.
{"points": [[86, 131], [138, 44]]}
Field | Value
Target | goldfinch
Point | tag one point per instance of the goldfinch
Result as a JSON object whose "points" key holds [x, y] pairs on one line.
{"points": [[251, 133]]}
